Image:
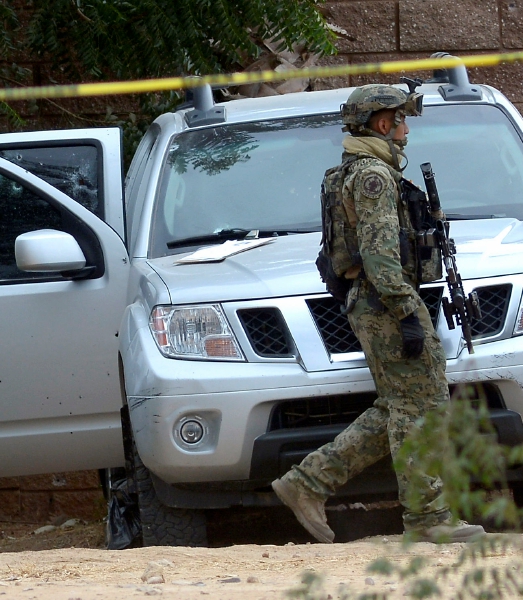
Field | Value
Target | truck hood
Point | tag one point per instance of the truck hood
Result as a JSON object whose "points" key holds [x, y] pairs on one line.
{"points": [[282, 267], [285, 266], [488, 247]]}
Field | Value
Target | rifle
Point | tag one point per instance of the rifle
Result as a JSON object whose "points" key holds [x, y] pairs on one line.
{"points": [[462, 308]]}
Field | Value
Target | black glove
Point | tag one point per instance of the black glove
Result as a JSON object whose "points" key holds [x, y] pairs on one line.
{"points": [[413, 336]]}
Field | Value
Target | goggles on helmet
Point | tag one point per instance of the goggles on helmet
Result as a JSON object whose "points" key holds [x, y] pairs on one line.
{"points": [[414, 105]]}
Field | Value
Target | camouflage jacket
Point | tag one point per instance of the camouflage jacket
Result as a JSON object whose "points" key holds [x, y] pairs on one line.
{"points": [[371, 197]]}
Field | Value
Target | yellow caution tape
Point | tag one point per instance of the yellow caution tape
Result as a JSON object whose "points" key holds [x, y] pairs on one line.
{"points": [[224, 80]]}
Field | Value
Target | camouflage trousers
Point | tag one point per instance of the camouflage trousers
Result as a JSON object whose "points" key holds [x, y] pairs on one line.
{"points": [[407, 389]]}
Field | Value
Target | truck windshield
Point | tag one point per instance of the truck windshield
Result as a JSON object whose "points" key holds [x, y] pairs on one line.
{"points": [[266, 175], [476, 155], [262, 175]]}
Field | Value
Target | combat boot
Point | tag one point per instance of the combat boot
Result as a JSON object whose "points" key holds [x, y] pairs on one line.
{"points": [[461, 531], [309, 511]]}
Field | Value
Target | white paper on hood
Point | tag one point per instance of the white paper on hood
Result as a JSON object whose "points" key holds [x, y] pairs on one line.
{"points": [[217, 253]]}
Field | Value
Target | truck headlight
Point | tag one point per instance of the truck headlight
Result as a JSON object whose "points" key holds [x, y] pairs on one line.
{"points": [[198, 331], [518, 328]]}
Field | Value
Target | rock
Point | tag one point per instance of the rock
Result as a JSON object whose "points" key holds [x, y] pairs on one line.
{"points": [[369, 581], [153, 574], [70, 523], [252, 579], [44, 529]]}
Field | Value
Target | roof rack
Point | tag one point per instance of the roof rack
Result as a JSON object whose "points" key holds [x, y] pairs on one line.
{"points": [[456, 81], [204, 111]]}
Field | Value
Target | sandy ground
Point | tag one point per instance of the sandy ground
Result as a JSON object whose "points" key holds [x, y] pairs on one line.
{"points": [[247, 572], [72, 564]]}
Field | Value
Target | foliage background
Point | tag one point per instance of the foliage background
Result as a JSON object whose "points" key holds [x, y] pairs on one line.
{"points": [[72, 40]]}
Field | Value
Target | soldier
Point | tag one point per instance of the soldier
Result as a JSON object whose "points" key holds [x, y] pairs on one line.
{"points": [[391, 322]]}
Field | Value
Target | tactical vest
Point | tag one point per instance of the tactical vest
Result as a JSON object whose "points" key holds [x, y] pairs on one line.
{"points": [[339, 254]]}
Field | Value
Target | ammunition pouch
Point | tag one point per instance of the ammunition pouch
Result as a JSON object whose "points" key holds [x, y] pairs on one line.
{"points": [[428, 252], [429, 256]]}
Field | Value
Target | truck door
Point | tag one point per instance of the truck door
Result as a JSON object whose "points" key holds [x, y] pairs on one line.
{"points": [[59, 382]]}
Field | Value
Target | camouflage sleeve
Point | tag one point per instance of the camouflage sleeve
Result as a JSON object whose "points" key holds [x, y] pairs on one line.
{"points": [[375, 195]]}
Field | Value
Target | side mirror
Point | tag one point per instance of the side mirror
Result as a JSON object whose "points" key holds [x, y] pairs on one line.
{"points": [[48, 250]]}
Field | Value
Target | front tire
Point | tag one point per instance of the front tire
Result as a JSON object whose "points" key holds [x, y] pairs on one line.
{"points": [[163, 525]]}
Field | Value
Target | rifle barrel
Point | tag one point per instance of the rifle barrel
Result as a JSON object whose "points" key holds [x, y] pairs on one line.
{"points": [[430, 184]]}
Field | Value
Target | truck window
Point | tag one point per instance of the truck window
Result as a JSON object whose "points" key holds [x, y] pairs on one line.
{"points": [[21, 210], [73, 169]]}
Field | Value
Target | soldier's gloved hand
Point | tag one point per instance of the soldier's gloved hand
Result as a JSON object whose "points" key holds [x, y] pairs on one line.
{"points": [[413, 336]]}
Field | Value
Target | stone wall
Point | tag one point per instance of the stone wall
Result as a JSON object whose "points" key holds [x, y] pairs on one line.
{"points": [[374, 31], [387, 30], [52, 498]]}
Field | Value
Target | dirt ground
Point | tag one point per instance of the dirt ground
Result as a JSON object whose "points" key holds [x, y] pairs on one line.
{"points": [[72, 563]]}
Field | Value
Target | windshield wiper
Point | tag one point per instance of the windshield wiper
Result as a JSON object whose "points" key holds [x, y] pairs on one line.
{"points": [[217, 237], [234, 234], [463, 217]]}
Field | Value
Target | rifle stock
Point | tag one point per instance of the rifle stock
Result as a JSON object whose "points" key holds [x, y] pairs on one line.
{"points": [[460, 307]]}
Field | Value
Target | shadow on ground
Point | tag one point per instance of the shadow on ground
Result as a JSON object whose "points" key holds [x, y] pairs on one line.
{"points": [[277, 525]]}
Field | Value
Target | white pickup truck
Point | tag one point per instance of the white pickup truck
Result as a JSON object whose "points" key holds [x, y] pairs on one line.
{"points": [[182, 330]]}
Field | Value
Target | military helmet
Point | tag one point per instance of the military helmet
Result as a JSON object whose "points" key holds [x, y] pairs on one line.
{"points": [[367, 99]]}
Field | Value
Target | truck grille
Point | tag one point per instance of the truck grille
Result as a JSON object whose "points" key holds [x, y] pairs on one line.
{"points": [[334, 327], [270, 338], [267, 332], [338, 336], [314, 412], [493, 301], [345, 408]]}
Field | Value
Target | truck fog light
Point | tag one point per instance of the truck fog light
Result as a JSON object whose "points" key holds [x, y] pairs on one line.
{"points": [[191, 432], [198, 431]]}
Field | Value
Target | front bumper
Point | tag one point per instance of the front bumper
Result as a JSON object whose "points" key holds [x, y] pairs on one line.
{"points": [[236, 403]]}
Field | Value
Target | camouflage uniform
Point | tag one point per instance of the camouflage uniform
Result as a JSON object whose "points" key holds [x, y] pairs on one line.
{"points": [[406, 388]]}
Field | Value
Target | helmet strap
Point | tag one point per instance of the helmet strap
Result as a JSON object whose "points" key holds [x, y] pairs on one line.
{"points": [[394, 150]]}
